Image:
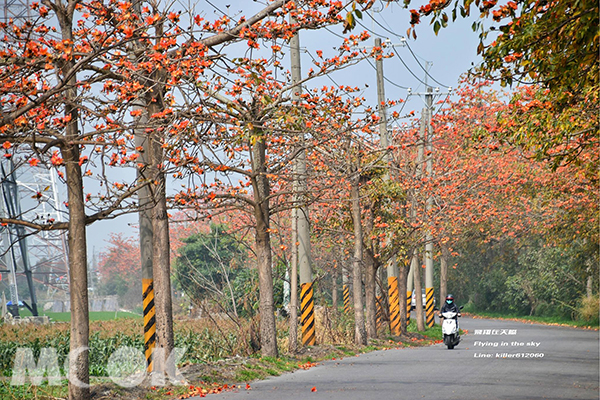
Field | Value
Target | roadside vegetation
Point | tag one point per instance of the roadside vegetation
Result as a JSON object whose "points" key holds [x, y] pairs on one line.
{"points": [[219, 356]]}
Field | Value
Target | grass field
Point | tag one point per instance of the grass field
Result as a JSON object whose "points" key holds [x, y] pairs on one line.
{"points": [[94, 315], [543, 320]]}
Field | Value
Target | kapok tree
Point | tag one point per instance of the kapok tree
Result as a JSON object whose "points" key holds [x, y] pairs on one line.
{"points": [[52, 116], [164, 53], [256, 136], [485, 189]]}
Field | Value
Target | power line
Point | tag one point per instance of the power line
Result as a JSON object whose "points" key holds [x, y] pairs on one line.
{"points": [[389, 81], [423, 68], [409, 70], [397, 55], [383, 27], [408, 45], [442, 105], [333, 33]]}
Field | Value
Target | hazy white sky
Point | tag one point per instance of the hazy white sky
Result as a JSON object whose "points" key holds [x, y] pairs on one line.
{"points": [[451, 53]]}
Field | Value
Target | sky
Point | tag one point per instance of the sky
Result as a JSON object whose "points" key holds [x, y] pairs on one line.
{"points": [[450, 54]]}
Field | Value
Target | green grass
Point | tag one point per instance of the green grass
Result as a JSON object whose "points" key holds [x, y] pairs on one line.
{"points": [[532, 318], [246, 375], [346, 351], [94, 315], [434, 333], [30, 392]]}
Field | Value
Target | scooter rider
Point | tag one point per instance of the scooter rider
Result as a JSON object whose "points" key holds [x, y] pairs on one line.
{"points": [[451, 306]]}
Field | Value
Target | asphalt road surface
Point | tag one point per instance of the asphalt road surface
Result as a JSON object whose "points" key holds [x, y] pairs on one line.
{"points": [[495, 360]]}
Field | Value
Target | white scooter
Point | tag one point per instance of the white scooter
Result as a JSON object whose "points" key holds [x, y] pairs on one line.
{"points": [[450, 329]]}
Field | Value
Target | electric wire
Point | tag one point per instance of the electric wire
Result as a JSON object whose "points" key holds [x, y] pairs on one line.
{"points": [[423, 68], [215, 7], [387, 79], [397, 55], [409, 70], [407, 45], [442, 105]]}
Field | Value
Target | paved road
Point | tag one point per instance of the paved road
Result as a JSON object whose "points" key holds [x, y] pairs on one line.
{"points": [[566, 367]]}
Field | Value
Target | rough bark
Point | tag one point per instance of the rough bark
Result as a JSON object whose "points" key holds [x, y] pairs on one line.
{"points": [[78, 279], [161, 273], [260, 185], [161, 262], [443, 274], [360, 335], [78, 373], [334, 290], [402, 288], [370, 297], [418, 293]]}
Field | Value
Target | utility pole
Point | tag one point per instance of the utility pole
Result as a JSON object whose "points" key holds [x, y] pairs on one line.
{"points": [[346, 292], [307, 317], [392, 267], [425, 141], [293, 330], [146, 238], [415, 265], [429, 317]]}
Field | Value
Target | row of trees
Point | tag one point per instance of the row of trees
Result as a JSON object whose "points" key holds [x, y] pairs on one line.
{"points": [[98, 89]]}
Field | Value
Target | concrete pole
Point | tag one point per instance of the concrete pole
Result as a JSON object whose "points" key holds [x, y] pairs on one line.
{"points": [[293, 329], [416, 271], [392, 267], [428, 256], [346, 292], [304, 260], [146, 239], [409, 290]]}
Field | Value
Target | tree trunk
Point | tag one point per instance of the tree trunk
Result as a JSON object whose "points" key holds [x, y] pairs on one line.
{"points": [[78, 373], [360, 335], [370, 298], [161, 261], [334, 289], [78, 283], [443, 275], [418, 293], [161, 272], [402, 288], [268, 333]]}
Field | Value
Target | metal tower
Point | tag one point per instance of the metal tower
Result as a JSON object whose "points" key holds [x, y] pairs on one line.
{"points": [[30, 194], [15, 9], [13, 243]]}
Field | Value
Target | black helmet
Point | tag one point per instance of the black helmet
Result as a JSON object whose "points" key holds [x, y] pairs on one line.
{"points": [[449, 299]]}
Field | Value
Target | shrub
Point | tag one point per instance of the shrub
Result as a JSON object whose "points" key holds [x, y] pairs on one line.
{"points": [[589, 309]]}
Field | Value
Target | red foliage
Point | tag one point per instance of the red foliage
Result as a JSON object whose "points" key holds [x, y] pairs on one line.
{"points": [[121, 257]]}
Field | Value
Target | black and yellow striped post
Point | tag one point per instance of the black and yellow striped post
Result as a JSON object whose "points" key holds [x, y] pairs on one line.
{"points": [[379, 311], [394, 305], [428, 259], [408, 304], [429, 317], [149, 320], [347, 306], [409, 290], [146, 239], [307, 314]]}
